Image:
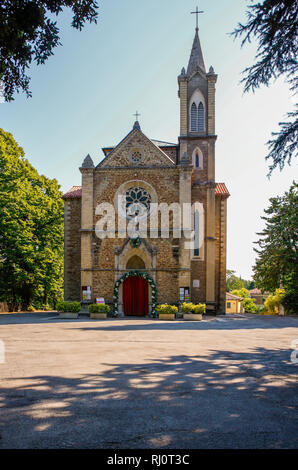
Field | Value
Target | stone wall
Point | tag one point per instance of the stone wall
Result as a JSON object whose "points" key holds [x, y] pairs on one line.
{"points": [[72, 249]]}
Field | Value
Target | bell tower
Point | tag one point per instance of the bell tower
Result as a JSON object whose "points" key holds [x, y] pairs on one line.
{"points": [[197, 144], [197, 111]]}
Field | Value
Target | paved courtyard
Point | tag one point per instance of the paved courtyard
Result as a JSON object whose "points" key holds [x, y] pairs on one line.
{"points": [[226, 382]]}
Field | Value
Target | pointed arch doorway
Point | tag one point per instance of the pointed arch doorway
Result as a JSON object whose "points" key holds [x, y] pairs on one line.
{"points": [[135, 290]]}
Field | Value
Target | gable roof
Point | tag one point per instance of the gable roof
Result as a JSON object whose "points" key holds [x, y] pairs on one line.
{"points": [[130, 135], [160, 143], [230, 296]]}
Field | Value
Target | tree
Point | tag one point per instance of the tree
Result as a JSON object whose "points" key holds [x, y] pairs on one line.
{"points": [[274, 23], [27, 33], [31, 230], [277, 261], [244, 293], [233, 282], [249, 304]]}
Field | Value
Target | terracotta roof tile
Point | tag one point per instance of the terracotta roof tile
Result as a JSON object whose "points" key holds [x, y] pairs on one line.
{"points": [[230, 296], [221, 190], [74, 193]]}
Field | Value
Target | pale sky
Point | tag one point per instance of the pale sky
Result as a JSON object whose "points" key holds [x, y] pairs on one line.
{"points": [[85, 96]]}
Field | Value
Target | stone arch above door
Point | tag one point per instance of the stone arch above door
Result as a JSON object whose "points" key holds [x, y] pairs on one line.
{"points": [[135, 262], [127, 251]]}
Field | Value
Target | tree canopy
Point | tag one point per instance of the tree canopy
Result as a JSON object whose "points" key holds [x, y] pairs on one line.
{"points": [[274, 23], [29, 33], [31, 230], [234, 282], [277, 262]]}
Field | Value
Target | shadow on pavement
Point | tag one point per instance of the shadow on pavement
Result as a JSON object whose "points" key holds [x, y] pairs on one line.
{"points": [[222, 400]]}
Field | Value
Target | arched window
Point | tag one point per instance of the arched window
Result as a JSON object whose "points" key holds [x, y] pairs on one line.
{"points": [[196, 112], [201, 120], [194, 118], [196, 250], [197, 159], [198, 223]]}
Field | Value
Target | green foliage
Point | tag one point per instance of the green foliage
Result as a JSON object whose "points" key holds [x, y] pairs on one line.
{"points": [[29, 33], [274, 24], [60, 306], [261, 309], [277, 262], [234, 282], [244, 293], [193, 308], [99, 308], [30, 308], [249, 305], [290, 302], [31, 230], [199, 309], [166, 309], [187, 307], [273, 302], [73, 307]]}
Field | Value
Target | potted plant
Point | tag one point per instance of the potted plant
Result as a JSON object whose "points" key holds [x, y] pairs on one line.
{"points": [[68, 310], [98, 311], [193, 312], [166, 312]]}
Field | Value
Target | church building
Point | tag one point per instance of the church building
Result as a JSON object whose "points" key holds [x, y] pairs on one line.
{"points": [[134, 274]]}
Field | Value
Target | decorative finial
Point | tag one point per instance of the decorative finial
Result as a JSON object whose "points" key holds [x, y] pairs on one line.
{"points": [[88, 162], [197, 12]]}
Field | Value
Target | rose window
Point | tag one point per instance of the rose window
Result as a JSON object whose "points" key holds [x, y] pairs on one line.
{"points": [[136, 156], [138, 202]]}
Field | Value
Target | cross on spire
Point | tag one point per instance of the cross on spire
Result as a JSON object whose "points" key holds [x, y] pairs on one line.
{"points": [[137, 115], [197, 13]]}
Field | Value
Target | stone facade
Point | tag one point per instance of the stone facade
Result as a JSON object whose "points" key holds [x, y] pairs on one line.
{"points": [[171, 174]]}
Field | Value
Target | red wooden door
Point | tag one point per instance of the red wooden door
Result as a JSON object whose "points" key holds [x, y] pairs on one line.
{"points": [[135, 296]]}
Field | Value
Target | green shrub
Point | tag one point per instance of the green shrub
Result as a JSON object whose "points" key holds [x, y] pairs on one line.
{"points": [[61, 306], [261, 309], [166, 309], [187, 307], [249, 305], [272, 303], [199, 309], [99, 308], [73, 307]]}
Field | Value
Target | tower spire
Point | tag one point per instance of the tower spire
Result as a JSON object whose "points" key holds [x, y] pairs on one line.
{"points": [[196, 57]]}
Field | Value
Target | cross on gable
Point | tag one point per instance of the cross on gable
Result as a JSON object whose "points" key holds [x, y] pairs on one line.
{"points": [[137, 115]]}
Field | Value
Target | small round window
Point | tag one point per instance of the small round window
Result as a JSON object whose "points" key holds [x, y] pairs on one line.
{"points": [[136, 156]]}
